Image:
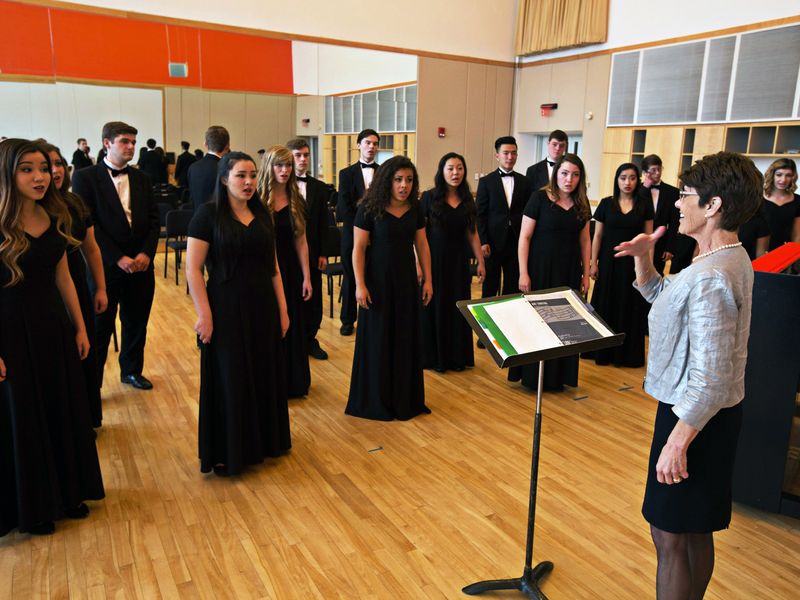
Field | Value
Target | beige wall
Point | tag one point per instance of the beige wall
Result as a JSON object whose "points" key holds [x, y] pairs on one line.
{"points": [[253, 120], [312, 108], [472, 102], [580, 88]]}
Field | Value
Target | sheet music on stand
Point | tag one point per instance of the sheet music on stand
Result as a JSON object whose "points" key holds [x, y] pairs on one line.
{"points": [[519, 326]]}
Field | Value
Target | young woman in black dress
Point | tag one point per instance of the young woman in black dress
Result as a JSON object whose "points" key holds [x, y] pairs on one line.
{"points": [[620, 218], [449, 212], [387, 380], [277, 187], [78, 257], [554, 251], [241, 318], [48, 458], [781, 204]]}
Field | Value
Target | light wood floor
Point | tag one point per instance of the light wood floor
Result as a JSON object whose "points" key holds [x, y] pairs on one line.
{"points": [[362, 509]]}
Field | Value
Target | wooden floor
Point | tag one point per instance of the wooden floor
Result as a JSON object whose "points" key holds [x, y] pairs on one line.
{"points": [[362, 509]]}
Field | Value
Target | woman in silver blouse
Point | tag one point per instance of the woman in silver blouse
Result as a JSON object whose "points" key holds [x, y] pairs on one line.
{"points": [[699, 325]]}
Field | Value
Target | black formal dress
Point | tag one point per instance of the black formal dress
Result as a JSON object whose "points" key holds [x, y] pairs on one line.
{"points": [[48, 459], [498, 225], [244, 414], [750, 232], [554, 260], [781, 221], [295, 343], [77, 269], [118, 237], [202, 177], [614, 298], [446, 335], [351, 191], [317, 218], [387, 380]]}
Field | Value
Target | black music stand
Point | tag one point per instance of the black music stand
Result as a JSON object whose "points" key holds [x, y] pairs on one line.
{"points": [[528, 583]]}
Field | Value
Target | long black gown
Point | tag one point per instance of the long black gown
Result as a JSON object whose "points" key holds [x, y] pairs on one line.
{"points": [[614, 297], [781, 221], [48, 458], [554, 260], [295, 343], [387, 380], [446, 335], [244, 412], [77, 269]]}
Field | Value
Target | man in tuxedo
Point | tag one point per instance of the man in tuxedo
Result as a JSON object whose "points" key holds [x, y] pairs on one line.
{"points": [[80, 158], [182, 164], [500, 200], [539, 174], [203, 173], [126, 226], [315, 193], [353, 184], [152, 163], [673, 246]]}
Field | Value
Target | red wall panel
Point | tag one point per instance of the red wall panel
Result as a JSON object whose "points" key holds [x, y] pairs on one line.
{"points": [[80, 45], [25, 40]]}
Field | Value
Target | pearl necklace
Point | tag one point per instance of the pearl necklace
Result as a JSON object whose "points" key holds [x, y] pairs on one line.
{"points": [[715, 250]]}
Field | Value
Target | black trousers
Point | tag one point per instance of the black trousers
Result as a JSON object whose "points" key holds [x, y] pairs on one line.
{"points": [[312, 310], [349, 306], [502, 260], [133, 293]]}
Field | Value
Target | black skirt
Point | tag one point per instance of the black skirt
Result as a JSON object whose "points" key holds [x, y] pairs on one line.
{"points": [[702, 502]]}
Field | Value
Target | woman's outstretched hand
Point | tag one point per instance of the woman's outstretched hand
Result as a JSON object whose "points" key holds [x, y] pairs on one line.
{"points": [[641, 244]]}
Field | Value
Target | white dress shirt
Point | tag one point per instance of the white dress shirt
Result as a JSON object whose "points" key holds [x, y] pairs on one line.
{"points": [[123, 187], [508, 185]]}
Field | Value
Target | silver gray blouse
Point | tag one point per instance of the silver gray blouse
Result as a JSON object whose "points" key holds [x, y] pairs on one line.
{"points": [[699, 326]]}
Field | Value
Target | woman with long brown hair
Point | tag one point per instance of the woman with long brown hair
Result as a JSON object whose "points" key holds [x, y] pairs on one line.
{"points": [[78, 257], [781, 204], [48, 459], [554, 250], [277, 188]]}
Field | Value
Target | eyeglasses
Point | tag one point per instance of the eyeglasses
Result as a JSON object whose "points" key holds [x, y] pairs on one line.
{"points": [[654, 171], [683, 194]]}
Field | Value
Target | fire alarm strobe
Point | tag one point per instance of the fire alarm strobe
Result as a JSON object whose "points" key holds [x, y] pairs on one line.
{"points": [[548, 108]]}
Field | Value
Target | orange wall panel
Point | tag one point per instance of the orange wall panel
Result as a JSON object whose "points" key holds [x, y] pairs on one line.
{"points": [[25, 40], [235, 61]]}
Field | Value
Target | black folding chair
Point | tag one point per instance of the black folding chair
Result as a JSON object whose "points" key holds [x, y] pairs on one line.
{"points": [[332, 248], [177, 222]]}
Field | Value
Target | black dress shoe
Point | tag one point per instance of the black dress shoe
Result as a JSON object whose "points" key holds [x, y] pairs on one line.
{"points": [[315, 351], [346, 329], [46, 528], [78, 512], [140, 382]]}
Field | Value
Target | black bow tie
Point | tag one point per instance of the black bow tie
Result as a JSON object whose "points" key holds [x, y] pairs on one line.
{"points": [[504, 174], [551, 163], [655, 186], [369, 166], [304, 178], [118, 172]]}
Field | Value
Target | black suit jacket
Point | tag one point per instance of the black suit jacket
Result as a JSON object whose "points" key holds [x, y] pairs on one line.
{"points": [[351, 191], [80, 160], [537, 175], [202, 178], [185, 160], [317, 193], [666, 214], [115, 236], [155, 166], [497, 222]]}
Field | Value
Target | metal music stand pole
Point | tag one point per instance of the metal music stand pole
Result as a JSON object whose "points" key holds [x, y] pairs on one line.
{"points": [[529, 582]]}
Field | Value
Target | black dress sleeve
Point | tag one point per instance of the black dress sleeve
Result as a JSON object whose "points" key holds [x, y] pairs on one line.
{"points": [[363, 220], [201, 226], [649, 213], [420, 218], [533, 208], [600, 211]]}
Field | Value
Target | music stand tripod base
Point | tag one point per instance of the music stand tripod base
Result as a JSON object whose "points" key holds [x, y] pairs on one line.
{"points": [[528, 583]]}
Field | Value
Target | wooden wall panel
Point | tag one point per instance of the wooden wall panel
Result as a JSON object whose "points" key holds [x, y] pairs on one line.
{"points": [[666, 142]]}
